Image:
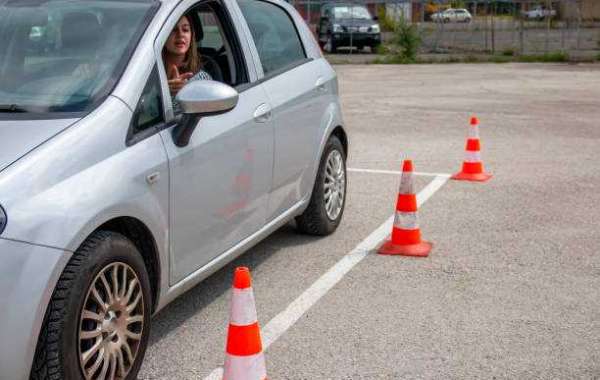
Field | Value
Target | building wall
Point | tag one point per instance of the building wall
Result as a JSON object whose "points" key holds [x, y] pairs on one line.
{"points": [[590, 10]]}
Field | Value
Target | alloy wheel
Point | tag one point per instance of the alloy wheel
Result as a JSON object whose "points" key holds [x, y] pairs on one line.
{"points": [[111, 323], [335, 184]]}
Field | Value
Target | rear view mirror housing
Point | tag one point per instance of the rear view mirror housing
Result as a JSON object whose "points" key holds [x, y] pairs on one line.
{"points": [[198, 99]]}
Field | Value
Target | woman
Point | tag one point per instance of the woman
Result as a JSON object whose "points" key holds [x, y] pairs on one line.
{"points": [[181, 58]]}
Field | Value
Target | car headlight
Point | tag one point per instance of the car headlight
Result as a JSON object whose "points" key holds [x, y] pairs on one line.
{"points": [[3, 219], [337, 28], [375, 28]]}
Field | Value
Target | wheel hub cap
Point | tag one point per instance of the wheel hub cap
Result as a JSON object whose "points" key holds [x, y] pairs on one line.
{"points": [[111, 323], [334, 184]]}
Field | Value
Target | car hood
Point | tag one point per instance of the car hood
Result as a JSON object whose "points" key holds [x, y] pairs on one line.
{"points": [[19, 137]]}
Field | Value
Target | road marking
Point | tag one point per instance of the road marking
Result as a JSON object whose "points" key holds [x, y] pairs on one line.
{"points": [[393, 172], [287, 318]]}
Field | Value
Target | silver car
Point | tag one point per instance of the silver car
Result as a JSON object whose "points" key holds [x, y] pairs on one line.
{"points": [[116, 197]]}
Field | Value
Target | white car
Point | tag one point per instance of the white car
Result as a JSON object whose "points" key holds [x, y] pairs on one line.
{"points": [[452, 15], [539, 13]]}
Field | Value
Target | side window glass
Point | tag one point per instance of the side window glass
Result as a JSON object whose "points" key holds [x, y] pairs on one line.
{"points": [[274, 34], [149, 111], [211, 34]]}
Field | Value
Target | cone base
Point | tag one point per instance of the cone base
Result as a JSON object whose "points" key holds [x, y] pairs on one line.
{"points": [[477, 177], [421, 249]]}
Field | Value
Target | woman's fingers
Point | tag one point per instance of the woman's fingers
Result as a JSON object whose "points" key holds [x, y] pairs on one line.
{"points": [[173, 72], [176, 84]]}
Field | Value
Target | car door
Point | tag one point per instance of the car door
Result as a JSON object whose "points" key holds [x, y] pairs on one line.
{"points": [[220, 181], [295, 88]]}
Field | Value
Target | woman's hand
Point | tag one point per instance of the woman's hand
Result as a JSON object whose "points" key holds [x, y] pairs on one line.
{"points": [[177, 81]]}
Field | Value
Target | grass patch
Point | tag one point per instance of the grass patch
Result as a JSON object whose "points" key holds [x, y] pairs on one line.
{"points": [[382, 49], [558, 56], [392, 57]]}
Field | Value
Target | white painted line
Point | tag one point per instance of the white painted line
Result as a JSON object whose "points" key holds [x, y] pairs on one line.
{"points": [[394, 172], [287, 318]]}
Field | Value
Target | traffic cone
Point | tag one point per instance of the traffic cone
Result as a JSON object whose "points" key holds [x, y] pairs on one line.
{"points": [[472, 168], [244, 359], [406, 235]]}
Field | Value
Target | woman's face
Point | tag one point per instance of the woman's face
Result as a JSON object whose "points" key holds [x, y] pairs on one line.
{"points": [[180, 38]]}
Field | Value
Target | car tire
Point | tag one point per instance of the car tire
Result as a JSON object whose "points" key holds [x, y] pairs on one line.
{"points": [[322, 217], [78, 332]]}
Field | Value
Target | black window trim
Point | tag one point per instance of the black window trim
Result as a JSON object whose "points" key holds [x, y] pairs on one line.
{"points": [[222, 11], [135, 137]]}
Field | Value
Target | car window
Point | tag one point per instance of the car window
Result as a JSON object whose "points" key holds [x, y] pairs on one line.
{"points": [[274, 34], [351, 12], [65, 56], [149, 111]]}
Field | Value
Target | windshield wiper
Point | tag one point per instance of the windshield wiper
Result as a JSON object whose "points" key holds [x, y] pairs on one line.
{"points": [[12, 108]]}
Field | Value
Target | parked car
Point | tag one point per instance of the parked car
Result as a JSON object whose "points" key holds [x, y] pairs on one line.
{"points": [[539, 13], [112, 203], [347, 25], [452, 15]]}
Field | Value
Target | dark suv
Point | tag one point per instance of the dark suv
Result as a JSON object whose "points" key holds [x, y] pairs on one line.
{"points": [[348, 25]]}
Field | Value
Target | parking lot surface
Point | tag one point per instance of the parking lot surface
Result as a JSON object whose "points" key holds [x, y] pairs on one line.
{"points": [[510, 289]]}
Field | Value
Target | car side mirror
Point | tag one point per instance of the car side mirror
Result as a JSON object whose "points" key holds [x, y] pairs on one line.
{"points": [[375, 18], [198, 99]]}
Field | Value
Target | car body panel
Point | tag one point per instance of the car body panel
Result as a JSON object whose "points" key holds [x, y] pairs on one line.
{"points": [[295, 108], [219, 183], [14, 146], [83, 194], [27, 276]]}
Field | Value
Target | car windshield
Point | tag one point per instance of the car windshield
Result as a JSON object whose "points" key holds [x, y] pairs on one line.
{"points": [[351, 12], [65, 55]]}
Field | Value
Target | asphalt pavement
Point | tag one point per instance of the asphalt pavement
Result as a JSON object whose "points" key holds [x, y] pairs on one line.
{"points": [[510, 290]]}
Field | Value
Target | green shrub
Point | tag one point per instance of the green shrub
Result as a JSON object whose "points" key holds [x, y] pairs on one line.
{"points": [[407, 41], [386, 23], [598, 57], [382, 49], [508, 52]]}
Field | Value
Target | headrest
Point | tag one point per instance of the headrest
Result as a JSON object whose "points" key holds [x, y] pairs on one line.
{"points": [[80, 31]]}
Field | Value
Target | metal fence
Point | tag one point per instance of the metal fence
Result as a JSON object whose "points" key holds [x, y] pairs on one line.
{"points": [[497, 27]]}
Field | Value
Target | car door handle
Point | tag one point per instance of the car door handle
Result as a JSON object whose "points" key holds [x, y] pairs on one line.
{"points": [[320, 84], [262, 114]]}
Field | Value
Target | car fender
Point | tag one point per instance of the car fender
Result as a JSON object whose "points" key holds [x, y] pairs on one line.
{"points": [[68, 187]]}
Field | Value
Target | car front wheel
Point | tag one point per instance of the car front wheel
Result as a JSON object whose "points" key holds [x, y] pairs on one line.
{"points": [[326, 207], [98, 320]]}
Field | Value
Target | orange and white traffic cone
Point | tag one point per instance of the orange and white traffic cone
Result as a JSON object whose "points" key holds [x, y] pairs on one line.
{"points": [[406, 235], [244, 358], [472, 168]]}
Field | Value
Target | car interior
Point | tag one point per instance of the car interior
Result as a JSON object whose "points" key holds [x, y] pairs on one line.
{"points": [[217, 44]]}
